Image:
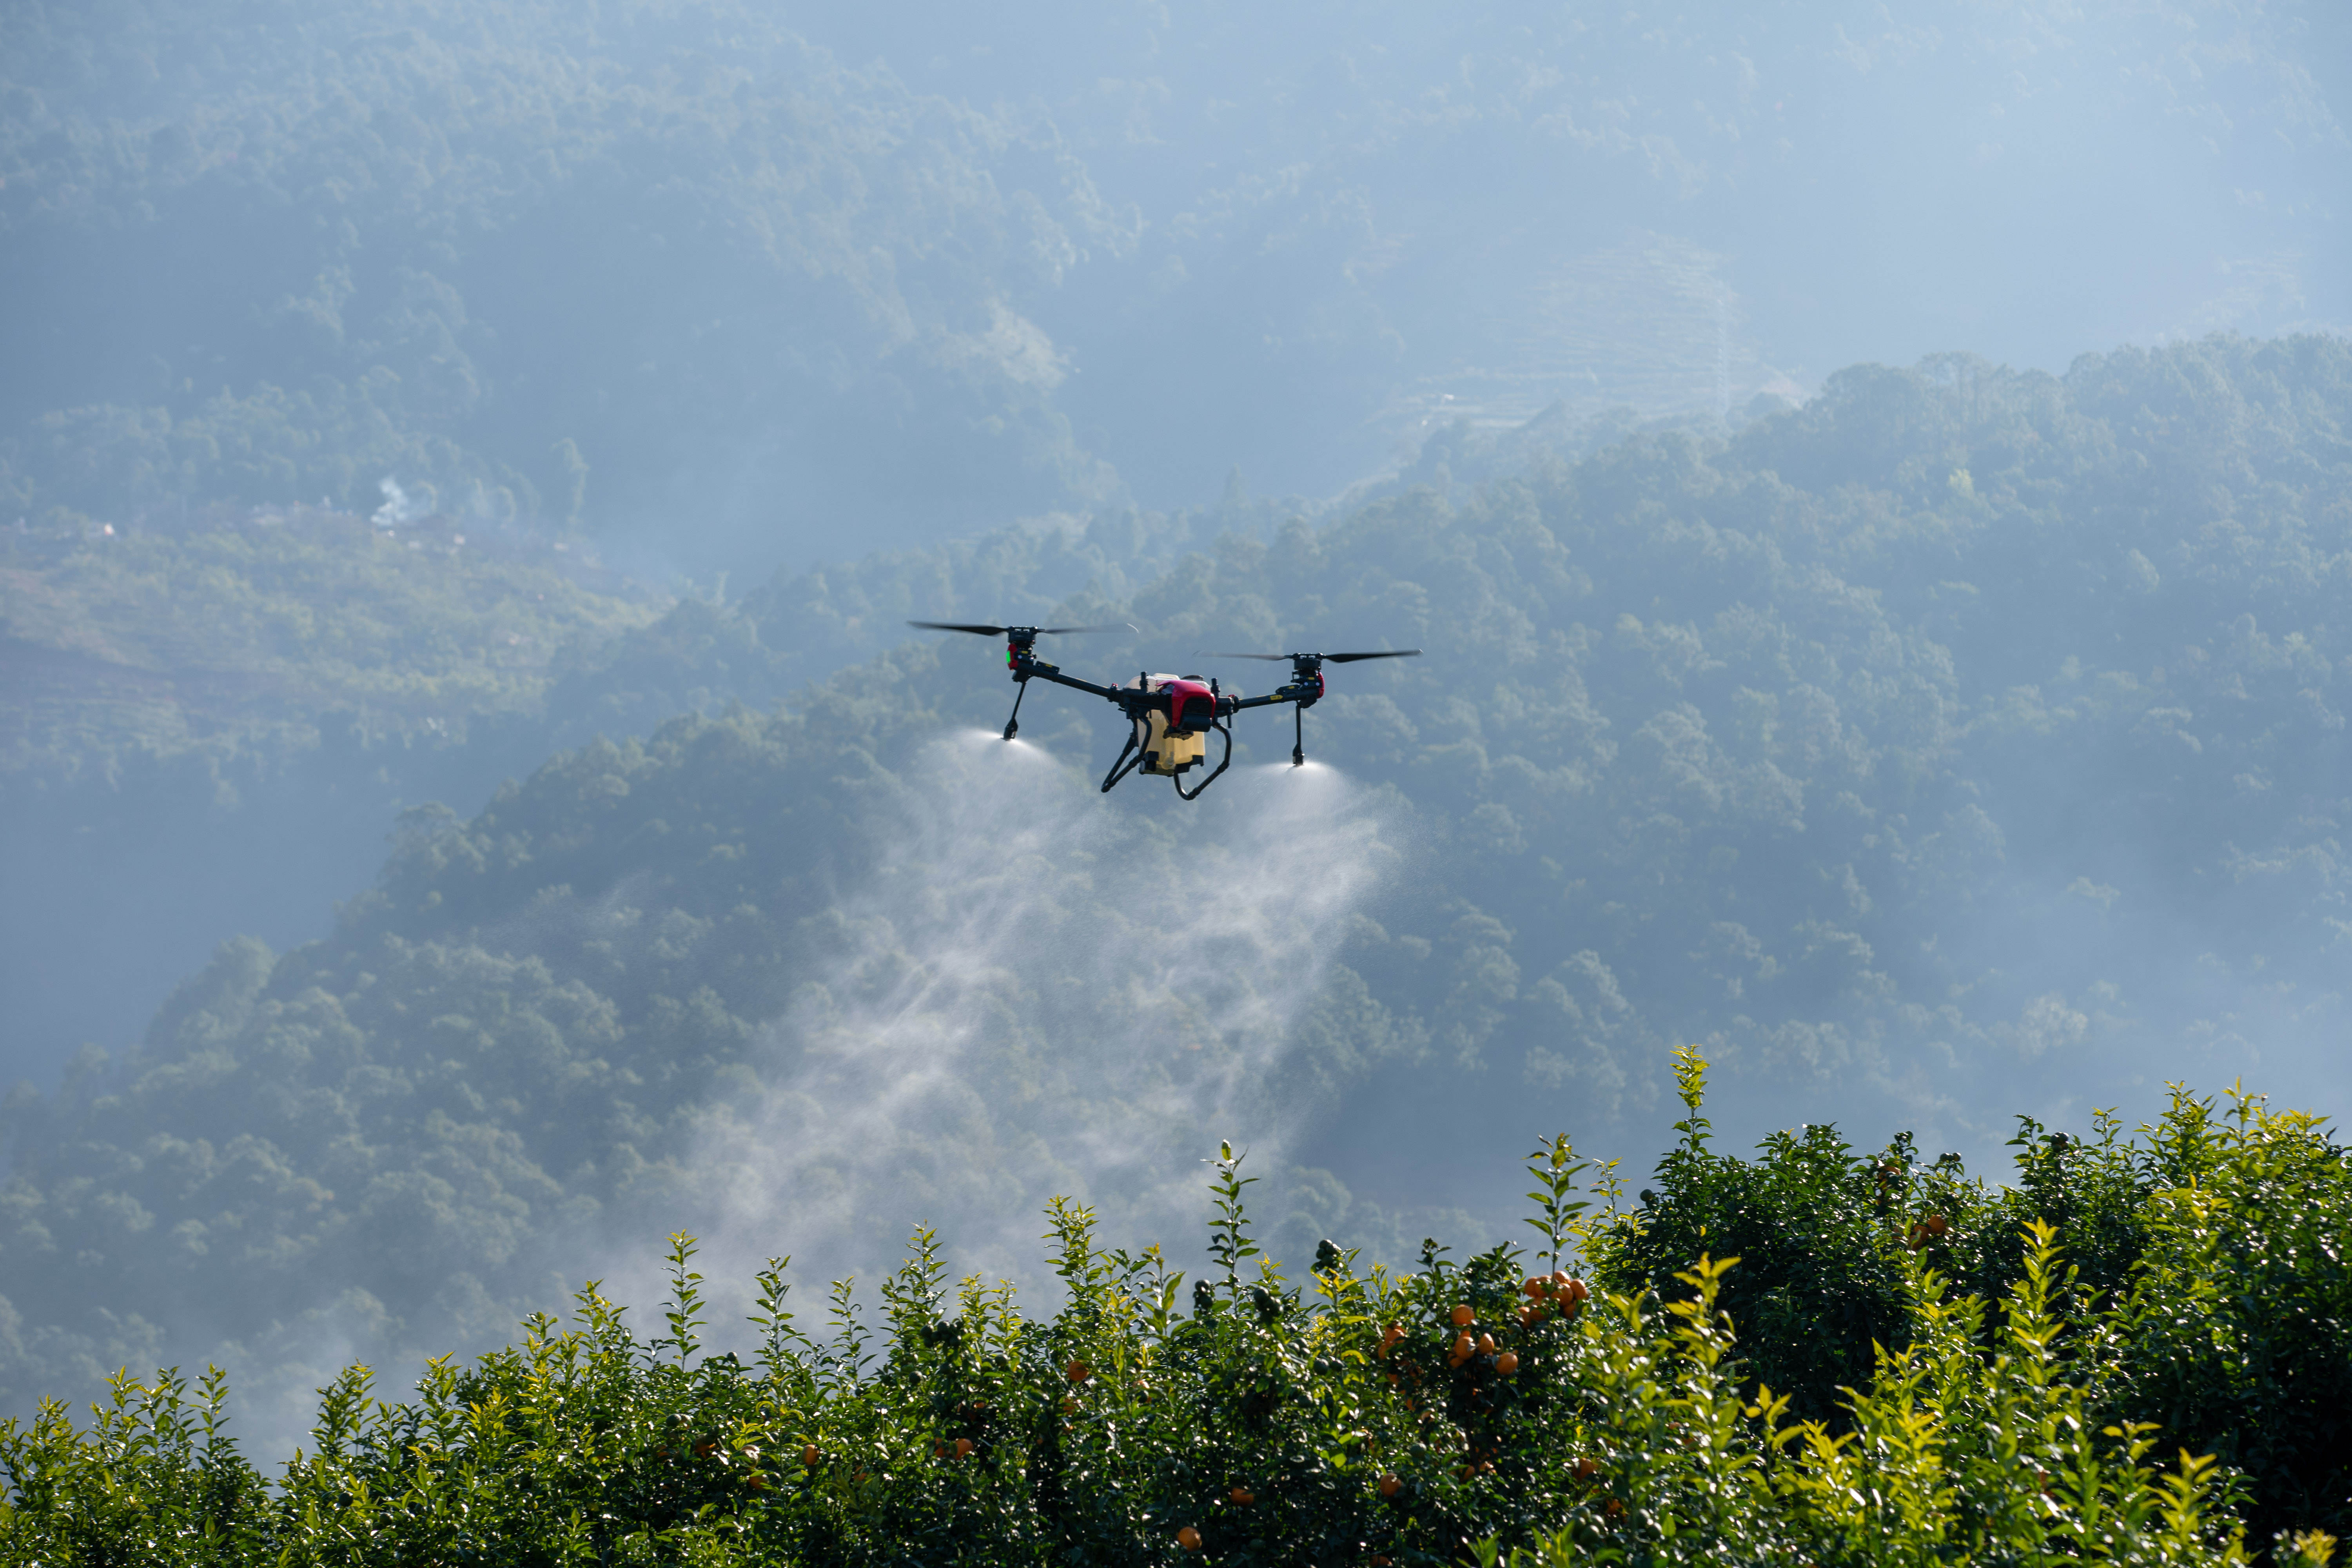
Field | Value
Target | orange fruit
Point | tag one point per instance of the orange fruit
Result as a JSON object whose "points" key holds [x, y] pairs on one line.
{"points": [[963, 1448], [1391, 1486], [808, 1455], [1535, 1286], [1936, 1224], [1586, 1470], [1080, 1372], [1462, 1350], [1613, 1507], [1243, 1496], [1486, 1344], [1462, 1316], [1576, 1290], [1189, 1539], [755, 1481], [1507, 1362], [704, 1450]]}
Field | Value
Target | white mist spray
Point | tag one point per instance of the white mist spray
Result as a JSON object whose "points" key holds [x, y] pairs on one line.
{"points": [[1037, 992]]}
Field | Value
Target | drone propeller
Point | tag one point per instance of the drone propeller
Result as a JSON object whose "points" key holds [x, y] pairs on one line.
{"points": [[1000, 631], [1322, 658], [1306, 668], [1018, 656]]}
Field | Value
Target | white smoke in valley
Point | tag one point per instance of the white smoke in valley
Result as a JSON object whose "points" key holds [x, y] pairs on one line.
{"points": [[399, 506], [1037, 992]]}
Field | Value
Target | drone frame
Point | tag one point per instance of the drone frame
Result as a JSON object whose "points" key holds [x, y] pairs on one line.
{"points": [[1138, 702]]}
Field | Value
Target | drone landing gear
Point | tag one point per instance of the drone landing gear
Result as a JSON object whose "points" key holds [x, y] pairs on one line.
{"points": [[1298, 736], [1128, 761], [1224, 763], [1130, 757], [1012, 725]]}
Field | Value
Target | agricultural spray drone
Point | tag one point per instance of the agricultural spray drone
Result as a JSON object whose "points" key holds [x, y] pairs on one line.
{"points": [[1170, 717]]}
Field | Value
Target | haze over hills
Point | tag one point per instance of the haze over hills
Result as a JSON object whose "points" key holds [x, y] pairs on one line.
{"points": [[212, 730], [1963, 742], [625, 266]]}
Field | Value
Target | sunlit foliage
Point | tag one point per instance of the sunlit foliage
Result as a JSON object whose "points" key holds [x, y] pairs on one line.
{"points": [[1455, 1412]]}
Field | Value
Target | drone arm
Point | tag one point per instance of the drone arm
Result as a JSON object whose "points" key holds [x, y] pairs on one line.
{"points": [[1121, 766], [1287, 694], [1304, 694], [1038, 669]]}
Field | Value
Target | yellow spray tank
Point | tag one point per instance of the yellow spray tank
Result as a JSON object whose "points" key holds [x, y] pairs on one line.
{"points": [[1171, 745]]}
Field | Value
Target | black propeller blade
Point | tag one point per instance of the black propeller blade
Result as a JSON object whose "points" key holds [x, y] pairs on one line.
{"points": [[1326, 657], [1000, 631]]}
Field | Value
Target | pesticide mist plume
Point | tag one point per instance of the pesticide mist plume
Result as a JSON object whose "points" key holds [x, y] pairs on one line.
{"points": [[1033, 992]]}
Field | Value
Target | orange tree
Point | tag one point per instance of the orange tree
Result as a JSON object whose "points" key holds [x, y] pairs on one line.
{"points": [[2205, 1264], [1484, 1408]]}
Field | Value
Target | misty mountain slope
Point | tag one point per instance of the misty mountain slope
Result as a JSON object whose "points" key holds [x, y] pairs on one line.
{"points": [[628, 264], [480, 253], [242, 636], [1963, 742], [212, 726], [801, 625], [205, 724]]}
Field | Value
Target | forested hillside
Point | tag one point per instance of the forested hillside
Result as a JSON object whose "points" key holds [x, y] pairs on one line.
{"points": [[238, 635], [212, 726], [717, 279], [1961, 742]]}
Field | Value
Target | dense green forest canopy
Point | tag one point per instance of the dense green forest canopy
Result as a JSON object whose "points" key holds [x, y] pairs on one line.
{"points": [[1960, 743]]}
